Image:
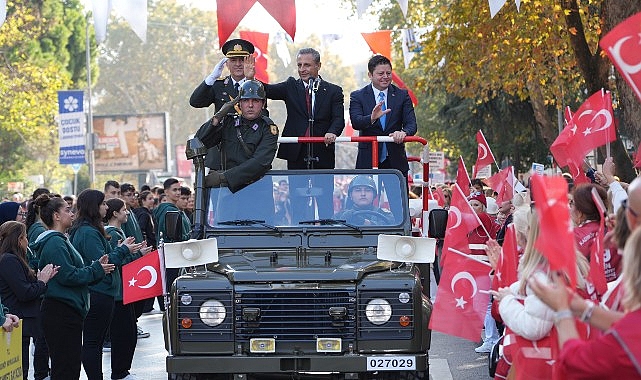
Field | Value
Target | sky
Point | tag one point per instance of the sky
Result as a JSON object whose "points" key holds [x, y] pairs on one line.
{"points": [[313, 17]]}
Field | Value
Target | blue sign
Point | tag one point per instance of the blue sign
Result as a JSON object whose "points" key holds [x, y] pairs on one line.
{"points": [[71, 127]]}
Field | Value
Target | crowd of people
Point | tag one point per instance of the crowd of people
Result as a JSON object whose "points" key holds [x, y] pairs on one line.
{"points": [[60, 273], [541, 327]]}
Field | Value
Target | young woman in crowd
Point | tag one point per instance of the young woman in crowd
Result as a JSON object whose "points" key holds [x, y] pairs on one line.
{"points": [[123, 331], [66, 300], [146, 200], [20, 287], [617, 353], [88, 236]]}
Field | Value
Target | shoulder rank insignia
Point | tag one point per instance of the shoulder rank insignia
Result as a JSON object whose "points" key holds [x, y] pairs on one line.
{"points": [[273, 129]]}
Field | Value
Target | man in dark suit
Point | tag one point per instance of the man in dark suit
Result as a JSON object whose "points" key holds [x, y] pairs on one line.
{"points": [[382, 109], [321, 115], [390, 114], [220, 91], [314, 108]]}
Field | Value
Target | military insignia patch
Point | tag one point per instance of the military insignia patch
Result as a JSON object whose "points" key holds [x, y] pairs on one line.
{"points": [[273, 129], [226, 81]]}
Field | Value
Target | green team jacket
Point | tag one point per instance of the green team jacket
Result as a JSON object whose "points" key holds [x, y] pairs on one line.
{"points": [[116, 235], [71, 284], [92, 245], [159, 219]]}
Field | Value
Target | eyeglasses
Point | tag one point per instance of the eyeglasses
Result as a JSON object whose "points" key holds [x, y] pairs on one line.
{"points": [[625, 206]]}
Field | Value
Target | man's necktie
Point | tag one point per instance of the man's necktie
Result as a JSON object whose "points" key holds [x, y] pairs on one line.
{"points": [[383, 153], [236, 86]]}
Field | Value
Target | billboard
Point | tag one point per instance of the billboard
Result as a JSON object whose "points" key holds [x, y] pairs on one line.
{"points": [[131, 143]]}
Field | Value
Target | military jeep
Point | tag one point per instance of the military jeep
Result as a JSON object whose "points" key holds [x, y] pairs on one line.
{"points": [[293, 291]]}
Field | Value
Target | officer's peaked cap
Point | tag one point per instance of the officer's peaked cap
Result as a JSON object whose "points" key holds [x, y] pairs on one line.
{"points": [[237, 48]]}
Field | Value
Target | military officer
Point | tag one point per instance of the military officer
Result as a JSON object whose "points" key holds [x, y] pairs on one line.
{"points": [[247, 141]]}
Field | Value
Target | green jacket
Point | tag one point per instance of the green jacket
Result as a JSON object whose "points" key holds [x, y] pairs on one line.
{"points": [[132, 228], [92, 245], [32, 234], [159, 219], [116, 235], [71, 284]]}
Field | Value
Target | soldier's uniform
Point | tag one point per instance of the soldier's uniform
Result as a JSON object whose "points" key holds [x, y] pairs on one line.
{"points": [[247, 147]]}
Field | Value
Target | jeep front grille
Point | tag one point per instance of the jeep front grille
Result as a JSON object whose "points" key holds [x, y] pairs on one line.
{"points": [[295, 314]]}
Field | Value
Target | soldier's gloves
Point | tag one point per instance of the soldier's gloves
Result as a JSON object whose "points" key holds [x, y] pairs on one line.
{"points": [[215, 74], [226, 108], [215, 179]]}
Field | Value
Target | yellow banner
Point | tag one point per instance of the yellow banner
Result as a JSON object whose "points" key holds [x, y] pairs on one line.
{"points": [[11, 354]]}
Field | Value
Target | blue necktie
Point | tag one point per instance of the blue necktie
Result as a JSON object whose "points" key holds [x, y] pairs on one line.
{"points": [[383, 153]]}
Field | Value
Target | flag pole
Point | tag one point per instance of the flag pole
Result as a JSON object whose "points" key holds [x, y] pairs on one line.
{"points": [[163, 270]]}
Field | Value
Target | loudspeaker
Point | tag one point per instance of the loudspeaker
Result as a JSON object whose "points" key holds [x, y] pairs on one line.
{"points": [[406, 249], [191, 253]]}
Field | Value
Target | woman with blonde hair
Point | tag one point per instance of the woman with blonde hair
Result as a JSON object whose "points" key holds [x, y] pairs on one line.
{"points": [[617, 353]]}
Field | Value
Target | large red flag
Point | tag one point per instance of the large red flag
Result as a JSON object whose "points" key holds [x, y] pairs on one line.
{"points": [[506, 270], [142, 278], [556, 238], [622, 46], [461, 219], [261, 43], [462, 178], [503, 183], [231, 12], [484, 155], [461, 298], [380, 42], [560, 144], [590, 127]]}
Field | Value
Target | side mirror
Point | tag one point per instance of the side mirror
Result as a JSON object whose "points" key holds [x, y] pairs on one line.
{"points": [[173, 226], [437, 223]]}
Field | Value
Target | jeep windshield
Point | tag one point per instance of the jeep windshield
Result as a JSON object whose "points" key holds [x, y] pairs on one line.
{"points": [[313, 199]]}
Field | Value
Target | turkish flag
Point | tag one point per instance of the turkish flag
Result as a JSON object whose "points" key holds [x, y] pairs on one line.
{"points": [[622, 46], [230, 13], [484, 155], [577, 173], [380, 42], [590, 127], [556, 238], [560, 144], [461, 219], [462, 178], [461, 298], [142, 278], [261, 43], [597, 260], [506, 271], [503, 183]]}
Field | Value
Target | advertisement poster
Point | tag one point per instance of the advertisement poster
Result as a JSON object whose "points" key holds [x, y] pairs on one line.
{"points": [[131, 143]]}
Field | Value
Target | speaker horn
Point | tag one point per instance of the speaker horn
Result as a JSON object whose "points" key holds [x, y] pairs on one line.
{"points": [[407, 249], [191, 253]]}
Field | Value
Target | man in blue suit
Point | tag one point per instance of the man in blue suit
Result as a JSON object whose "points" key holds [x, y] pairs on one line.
{"points": [[382, 109]]}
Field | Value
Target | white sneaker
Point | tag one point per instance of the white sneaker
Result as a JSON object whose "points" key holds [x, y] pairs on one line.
{"points": [[485, 348], [130, 377]]}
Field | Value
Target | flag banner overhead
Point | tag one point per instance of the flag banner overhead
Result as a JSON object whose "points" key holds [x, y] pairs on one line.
{"points": [[3, 11], [71, 127], [230, 13], [462, 297], [133, 11], [261, 43], [142, 278], [556, 236], [621, 44]]}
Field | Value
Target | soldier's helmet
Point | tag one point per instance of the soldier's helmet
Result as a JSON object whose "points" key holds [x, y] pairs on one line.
{"points": [[362, 180], [252, 89]]}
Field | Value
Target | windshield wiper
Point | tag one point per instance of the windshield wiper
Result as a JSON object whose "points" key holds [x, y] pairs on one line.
{"points": [[249, 222], [325, 222]]}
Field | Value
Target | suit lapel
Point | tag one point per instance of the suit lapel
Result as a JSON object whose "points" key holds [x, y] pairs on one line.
{"points": [[391, 104], [300, 96]]}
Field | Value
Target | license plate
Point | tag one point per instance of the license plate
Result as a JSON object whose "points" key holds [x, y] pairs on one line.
{"points": [[391, 363]]}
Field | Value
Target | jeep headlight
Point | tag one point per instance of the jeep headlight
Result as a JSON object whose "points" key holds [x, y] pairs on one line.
{"points": [[212, 312], [378, 311]]}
